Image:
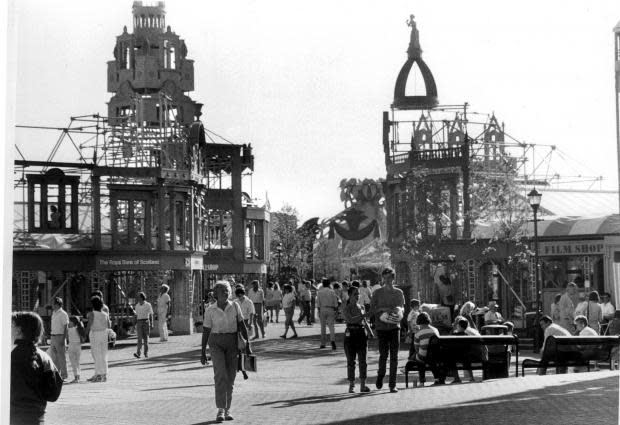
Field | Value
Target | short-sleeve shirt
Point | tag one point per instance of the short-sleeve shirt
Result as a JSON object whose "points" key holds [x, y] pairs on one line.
{"points": [[382, 298], [247, 307], [60, 319], [143, 310], [257, 297], [162, 303], [222, 321], [588, 331], [288, 300]]}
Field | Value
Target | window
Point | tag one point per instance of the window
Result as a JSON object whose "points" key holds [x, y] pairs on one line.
{"points": [[52, 202], [134, 219]]}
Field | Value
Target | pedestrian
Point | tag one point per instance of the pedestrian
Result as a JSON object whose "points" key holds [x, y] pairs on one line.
{"points": [[222, 325], [144, 324], [365, 295], [76, 337], [163, 307], [386, 305], [327, 303], [35, 380], [97, 331], [98, 293], [269, 302], [59, 337], [594, 312], [288, 303], [246, 305], [412, 326], [257, 295], [313, 291], [555, 308], [277, 300], [567, 308], [355, 339], [304, 303]]}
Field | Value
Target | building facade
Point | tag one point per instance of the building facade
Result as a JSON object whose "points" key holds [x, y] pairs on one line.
{"points": [[155, 199]]}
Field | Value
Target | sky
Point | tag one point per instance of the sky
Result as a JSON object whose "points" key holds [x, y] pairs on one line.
{"points": [[306, 82]]}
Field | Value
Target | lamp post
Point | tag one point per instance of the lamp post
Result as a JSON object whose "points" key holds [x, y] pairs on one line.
{"points": [[534, 198], [279, 249]]}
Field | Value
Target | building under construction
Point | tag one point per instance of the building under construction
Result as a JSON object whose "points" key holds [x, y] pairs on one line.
{"points": [[458, 220], [154, 198]]}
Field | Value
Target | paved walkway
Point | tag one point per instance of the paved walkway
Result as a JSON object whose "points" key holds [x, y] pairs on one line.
{"points": [[300, 384]]}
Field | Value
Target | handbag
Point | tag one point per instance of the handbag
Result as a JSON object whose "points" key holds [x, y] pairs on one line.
{"points": [[247, 362]]}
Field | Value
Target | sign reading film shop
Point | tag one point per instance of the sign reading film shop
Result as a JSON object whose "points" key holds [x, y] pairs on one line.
{"points": [[148, 262], [563, 248]]}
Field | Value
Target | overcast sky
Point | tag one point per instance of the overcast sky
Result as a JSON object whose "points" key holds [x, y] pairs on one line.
{"points": [[306, 82]]}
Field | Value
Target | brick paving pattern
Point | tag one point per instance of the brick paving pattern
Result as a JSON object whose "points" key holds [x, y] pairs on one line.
{"points": [[298, 383]]}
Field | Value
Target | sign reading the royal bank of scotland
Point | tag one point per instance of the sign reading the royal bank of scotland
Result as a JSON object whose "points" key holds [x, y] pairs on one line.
{"points": [[552, 249], [147, 262]]}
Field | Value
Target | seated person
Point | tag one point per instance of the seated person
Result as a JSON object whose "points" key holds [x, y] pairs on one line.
{"points": [[493, 317], [550, 328], [412, 328], [614, 329], [461, 327], [422, 356]]}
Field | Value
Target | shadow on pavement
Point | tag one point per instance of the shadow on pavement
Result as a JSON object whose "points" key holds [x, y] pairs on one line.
{"points": [[327, 398], [591, 402], [178, 387]]}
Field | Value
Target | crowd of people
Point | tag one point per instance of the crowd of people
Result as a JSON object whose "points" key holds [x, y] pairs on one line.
{"points": [[238, 313]]}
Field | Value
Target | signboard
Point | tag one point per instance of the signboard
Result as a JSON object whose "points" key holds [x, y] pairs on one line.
{"points": [[143, 262], [553, 249]]}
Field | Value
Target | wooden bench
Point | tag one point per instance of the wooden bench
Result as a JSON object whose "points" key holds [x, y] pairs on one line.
{"points": [[488, 353], [564, 351]]}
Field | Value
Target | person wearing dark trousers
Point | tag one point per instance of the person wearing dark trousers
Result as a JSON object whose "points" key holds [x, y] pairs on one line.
{"points": [[304, 298], [144, 324], [387, 307], [355, 339], [223, 321], [257, 295]]}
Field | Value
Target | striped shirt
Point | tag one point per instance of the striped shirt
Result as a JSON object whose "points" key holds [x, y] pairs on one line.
{"points": [[421, 339]]}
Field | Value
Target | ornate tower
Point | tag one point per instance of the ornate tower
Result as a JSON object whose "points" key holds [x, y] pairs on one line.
{"points": [[151, 65]]}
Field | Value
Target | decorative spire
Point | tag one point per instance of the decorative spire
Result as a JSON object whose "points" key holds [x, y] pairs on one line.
{"points": [[414, 50]]}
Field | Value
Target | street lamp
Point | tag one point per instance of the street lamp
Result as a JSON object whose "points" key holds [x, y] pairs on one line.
{"points": [[534, 198], [279, 249]]}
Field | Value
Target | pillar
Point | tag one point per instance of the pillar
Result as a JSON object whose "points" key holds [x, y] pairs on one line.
{"points": [[182, 289]]}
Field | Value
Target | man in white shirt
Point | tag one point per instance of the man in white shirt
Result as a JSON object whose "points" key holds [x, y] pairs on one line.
{"points": [[550, 328], [327, 303], [608, 308], [144, 324], [493, 317], [257, 295], [247, 307], [163, 306], [581, 323], [59, 335]]}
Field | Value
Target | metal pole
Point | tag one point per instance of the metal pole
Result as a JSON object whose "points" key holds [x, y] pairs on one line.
{"points": [[538, 335]]}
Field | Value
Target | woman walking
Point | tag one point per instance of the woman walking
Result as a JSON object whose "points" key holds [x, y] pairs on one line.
{"points": [[594, 312], [288, 302], [222, 323], [355, 339], [277, 300], [98, 325]]}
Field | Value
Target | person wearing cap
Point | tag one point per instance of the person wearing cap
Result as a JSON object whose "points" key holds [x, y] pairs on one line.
{"points": [[327, 303], [387, 305], [493, 317]]}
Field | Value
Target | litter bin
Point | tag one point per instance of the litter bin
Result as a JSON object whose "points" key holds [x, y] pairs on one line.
{"points": [[499, 360]]}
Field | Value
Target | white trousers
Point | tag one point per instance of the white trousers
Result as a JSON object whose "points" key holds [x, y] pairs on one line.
{"points": [[99, 350], [75, 351]]}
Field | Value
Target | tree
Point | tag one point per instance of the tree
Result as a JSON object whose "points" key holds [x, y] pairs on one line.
{"points": [[283, 231]]}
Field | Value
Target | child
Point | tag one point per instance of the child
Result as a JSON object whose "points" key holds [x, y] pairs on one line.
{"points": [[34, 378], [76, 336]]}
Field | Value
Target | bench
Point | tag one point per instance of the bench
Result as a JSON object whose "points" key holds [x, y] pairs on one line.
{"points": [[564, 351], [489, 353]]}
